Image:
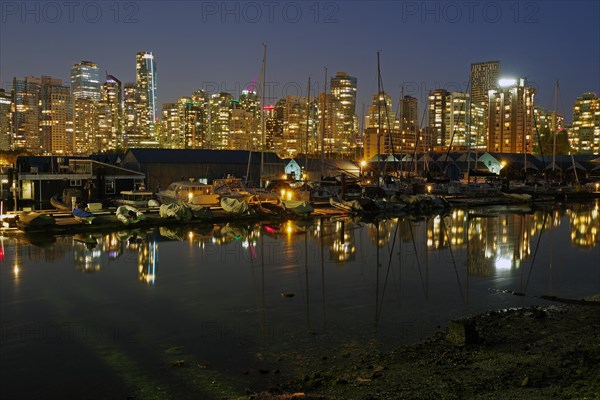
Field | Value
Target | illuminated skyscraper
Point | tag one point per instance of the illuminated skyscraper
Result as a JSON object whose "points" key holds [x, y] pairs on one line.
{"points": [[85, 81], [484, 77], [87, 139], [26, 114], [343, 88], [219, 120], [408, 125], [145, 79], [110, 114], [585, 134], [381, 134], [510, 118], [5, 120]]}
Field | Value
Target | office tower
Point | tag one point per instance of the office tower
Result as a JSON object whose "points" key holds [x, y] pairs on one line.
{"points": [[5, 120], [85, 81], [131, 114], [243, 134], [343, 88], [219, 120], [145, 79], [510, 118], [585, 134], [380, 104], [484, 77], [110, 114]]}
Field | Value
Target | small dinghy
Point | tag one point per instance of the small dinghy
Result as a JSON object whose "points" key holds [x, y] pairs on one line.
{"points": [[234, 206], [298, 207], [129, 215], [83, 215]]}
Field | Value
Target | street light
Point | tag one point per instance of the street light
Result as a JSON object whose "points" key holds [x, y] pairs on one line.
{"points": [[363, 164]]}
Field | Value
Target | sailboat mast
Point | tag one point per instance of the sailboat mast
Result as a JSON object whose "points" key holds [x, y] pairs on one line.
{"points": [[262, 116], [323, 125], [379, 115], [307, 127], [554, 127]]}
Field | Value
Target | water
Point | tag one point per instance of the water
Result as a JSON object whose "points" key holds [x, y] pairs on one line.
{"points": [[107, 315]]}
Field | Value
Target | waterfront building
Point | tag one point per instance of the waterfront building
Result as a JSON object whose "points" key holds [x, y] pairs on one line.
{"points": [[585, 134], [85, 81], [510, 118]]}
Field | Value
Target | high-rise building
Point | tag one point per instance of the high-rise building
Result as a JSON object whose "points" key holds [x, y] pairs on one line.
{"points": [[5, 120], [110, 114], [201, 100], [145, 79], [56, 116], [547, 120], [274, 127], [26, 114], [219, 120], [343, 88], [85, 81], [86, 135], [484, 77], [131, 111], [171, 133], [242, 130], [437, 117], [510, 118], [408, 124], [585, 134], [381, 135]]}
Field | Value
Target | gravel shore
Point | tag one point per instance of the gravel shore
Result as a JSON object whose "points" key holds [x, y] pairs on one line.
{"points": [[531, 353]]}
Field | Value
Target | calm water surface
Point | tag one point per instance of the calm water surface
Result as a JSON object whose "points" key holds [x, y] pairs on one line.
{"points": [[106, 315]]}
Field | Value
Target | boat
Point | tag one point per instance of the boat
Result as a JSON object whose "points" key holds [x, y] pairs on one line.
{"points": [[517, 196], [234, 206], [189, 192], [184, 212], [129, 215], [298, 207], [35, 220], [137, 198], [64, 201], [231, 188], [83, 215]]}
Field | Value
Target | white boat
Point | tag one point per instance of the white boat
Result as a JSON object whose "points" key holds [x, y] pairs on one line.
{"points": [[231, 188], [186, 192], [137, 198], [234, 206], [129, 215]]}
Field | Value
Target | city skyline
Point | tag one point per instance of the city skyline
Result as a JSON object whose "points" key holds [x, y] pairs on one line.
{"points": [[217, 46]]}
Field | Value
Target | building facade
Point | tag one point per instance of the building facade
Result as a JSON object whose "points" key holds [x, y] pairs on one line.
{"points": [[145, 73]]}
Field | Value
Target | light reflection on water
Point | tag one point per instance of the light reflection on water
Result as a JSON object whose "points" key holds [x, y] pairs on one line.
{"points": [[238, 296]]}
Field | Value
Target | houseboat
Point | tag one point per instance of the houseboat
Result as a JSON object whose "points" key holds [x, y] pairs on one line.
{"points": [[189, 192]]}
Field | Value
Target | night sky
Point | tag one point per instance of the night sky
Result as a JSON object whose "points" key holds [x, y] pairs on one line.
{"points": [[218, 45]]}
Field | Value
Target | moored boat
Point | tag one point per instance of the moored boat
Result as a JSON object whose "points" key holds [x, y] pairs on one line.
{"points": [[83, 215], [298, 207], [189, 192], [234, 206], [129, 215], [137, 198]]}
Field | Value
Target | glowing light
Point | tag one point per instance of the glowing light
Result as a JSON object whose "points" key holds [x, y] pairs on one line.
{"points": [[363, 163], [505, 82], [190, 195], [503, 264]]}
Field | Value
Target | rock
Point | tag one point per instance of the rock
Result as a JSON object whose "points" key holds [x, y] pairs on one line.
{"points": [[461, 333]]}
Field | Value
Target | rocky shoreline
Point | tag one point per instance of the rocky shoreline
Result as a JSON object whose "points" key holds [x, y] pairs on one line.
{"points": [[548, 352]]}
